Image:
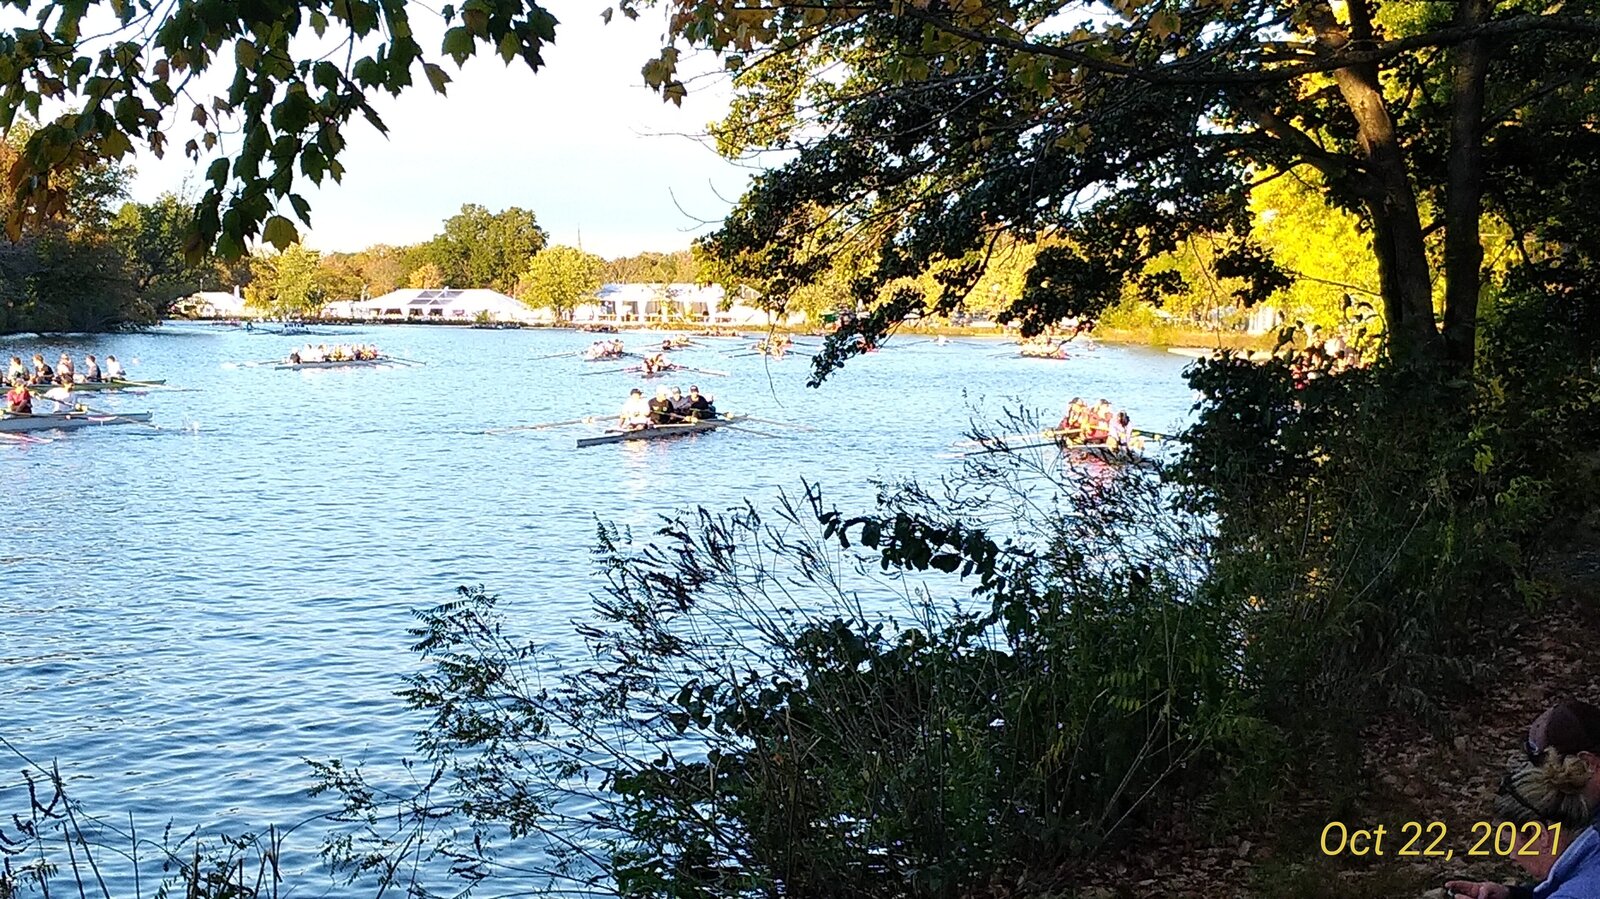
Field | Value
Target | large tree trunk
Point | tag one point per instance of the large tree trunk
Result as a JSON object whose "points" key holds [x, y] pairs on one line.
{"points": [[1403, 271], [1463, 244]]}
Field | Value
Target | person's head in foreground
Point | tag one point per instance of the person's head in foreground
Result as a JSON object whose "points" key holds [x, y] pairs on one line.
{"points": [[1544, 799], [1550, 794]]}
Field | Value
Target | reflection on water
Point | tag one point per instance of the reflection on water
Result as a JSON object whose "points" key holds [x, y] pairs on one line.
{"points": [[190, 612]]}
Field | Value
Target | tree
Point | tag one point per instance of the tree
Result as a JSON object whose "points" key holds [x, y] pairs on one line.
{"points": [[152, 237], [479, 248], [426, 277], [287, 283], [677, 267], [279, 122], [561, 278], [938, 128]]}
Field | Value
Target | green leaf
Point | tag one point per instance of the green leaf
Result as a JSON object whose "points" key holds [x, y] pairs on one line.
{"points": [[280, 232], [436, 77], [458, 44]]}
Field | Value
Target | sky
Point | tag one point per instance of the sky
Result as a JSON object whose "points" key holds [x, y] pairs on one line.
{"points": [[595, 154]]}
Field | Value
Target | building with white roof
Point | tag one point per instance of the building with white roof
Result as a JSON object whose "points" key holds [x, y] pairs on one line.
{"points": [[214, 304], [441, 305], [618, 302]]}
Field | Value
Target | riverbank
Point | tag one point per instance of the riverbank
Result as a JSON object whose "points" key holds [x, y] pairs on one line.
{"points": [[1444, 771]]}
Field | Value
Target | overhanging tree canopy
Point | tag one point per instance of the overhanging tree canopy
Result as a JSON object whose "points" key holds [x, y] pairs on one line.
{"points": [[928, 128], [131, 73]]}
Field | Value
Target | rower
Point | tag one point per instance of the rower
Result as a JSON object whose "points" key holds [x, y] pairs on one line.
{"points": [[17, 372], [64, 372], [661, 408], [91, 370], [679, 403], [635, 412], [1073, 422], [42, 373], [700, 405], [18, 400], [655, 362], [114, 370], [1099, 422], [61, 398], [1122, 434]]}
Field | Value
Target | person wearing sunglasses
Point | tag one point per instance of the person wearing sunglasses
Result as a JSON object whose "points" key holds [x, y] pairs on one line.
{"points": [[1555, 781]]}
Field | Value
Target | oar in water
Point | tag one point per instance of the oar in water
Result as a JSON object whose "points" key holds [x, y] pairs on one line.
{"points": [[702, 371], [735, 427], [587, 419], [402, 359], [783, 424], [611, 371], [109, 414], [557, 355]]}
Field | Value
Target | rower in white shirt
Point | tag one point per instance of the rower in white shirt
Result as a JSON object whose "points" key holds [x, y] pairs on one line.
{"points": [[62, 397], [114, 370], [635, 412]]}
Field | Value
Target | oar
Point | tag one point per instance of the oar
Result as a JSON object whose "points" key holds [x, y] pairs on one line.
{"points": [[611, 371], [557, 355], [733, 427], [109, 414], [702, 371], [784, 424], [401, 359], [1154, 435], [587, 419]]}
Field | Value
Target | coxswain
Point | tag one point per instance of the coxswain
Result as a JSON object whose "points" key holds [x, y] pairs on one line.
{"points": [[42, 372], [61, 398], [700, 405], [635, 412], [114, 370], [654, 363], [679, 403], [1099, 422], [17, 372], [661, 407], [18, 400], [91, 370], [64, 369], [294, 357]]}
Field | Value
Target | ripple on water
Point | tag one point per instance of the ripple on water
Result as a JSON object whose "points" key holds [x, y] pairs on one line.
{"points": [[190, 613]]}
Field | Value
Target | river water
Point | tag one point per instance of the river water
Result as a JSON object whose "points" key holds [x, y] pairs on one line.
{"points": [[188, 613]]}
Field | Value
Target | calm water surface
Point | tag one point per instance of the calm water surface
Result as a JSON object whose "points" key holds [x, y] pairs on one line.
{"points": [[186, 614]]}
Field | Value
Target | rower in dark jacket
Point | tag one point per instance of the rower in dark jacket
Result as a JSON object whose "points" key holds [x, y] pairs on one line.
{"points": [[700, 405], [661, 408]]}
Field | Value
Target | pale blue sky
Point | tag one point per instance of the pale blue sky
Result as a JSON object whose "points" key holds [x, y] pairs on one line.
{"points": [[582, 143]]}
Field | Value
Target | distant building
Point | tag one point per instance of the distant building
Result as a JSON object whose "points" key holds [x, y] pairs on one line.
{"points": [[692, 303], [214, 304], [447, 304]]}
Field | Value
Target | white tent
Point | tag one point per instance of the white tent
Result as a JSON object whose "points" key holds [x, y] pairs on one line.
{"points": [[412, 304], [671, 302], [214, 304]]}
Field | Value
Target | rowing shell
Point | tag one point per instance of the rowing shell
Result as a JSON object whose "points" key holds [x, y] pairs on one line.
{"points": [[91, 386], [660, 432], [347, 363], [65, 421]]}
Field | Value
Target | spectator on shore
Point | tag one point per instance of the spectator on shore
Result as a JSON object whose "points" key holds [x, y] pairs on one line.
{"points": [[1555, 781]]}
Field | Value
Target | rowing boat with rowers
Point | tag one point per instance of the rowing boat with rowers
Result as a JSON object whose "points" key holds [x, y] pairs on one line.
{"points": [[340, 363], [661, 432], [15, 422]]}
